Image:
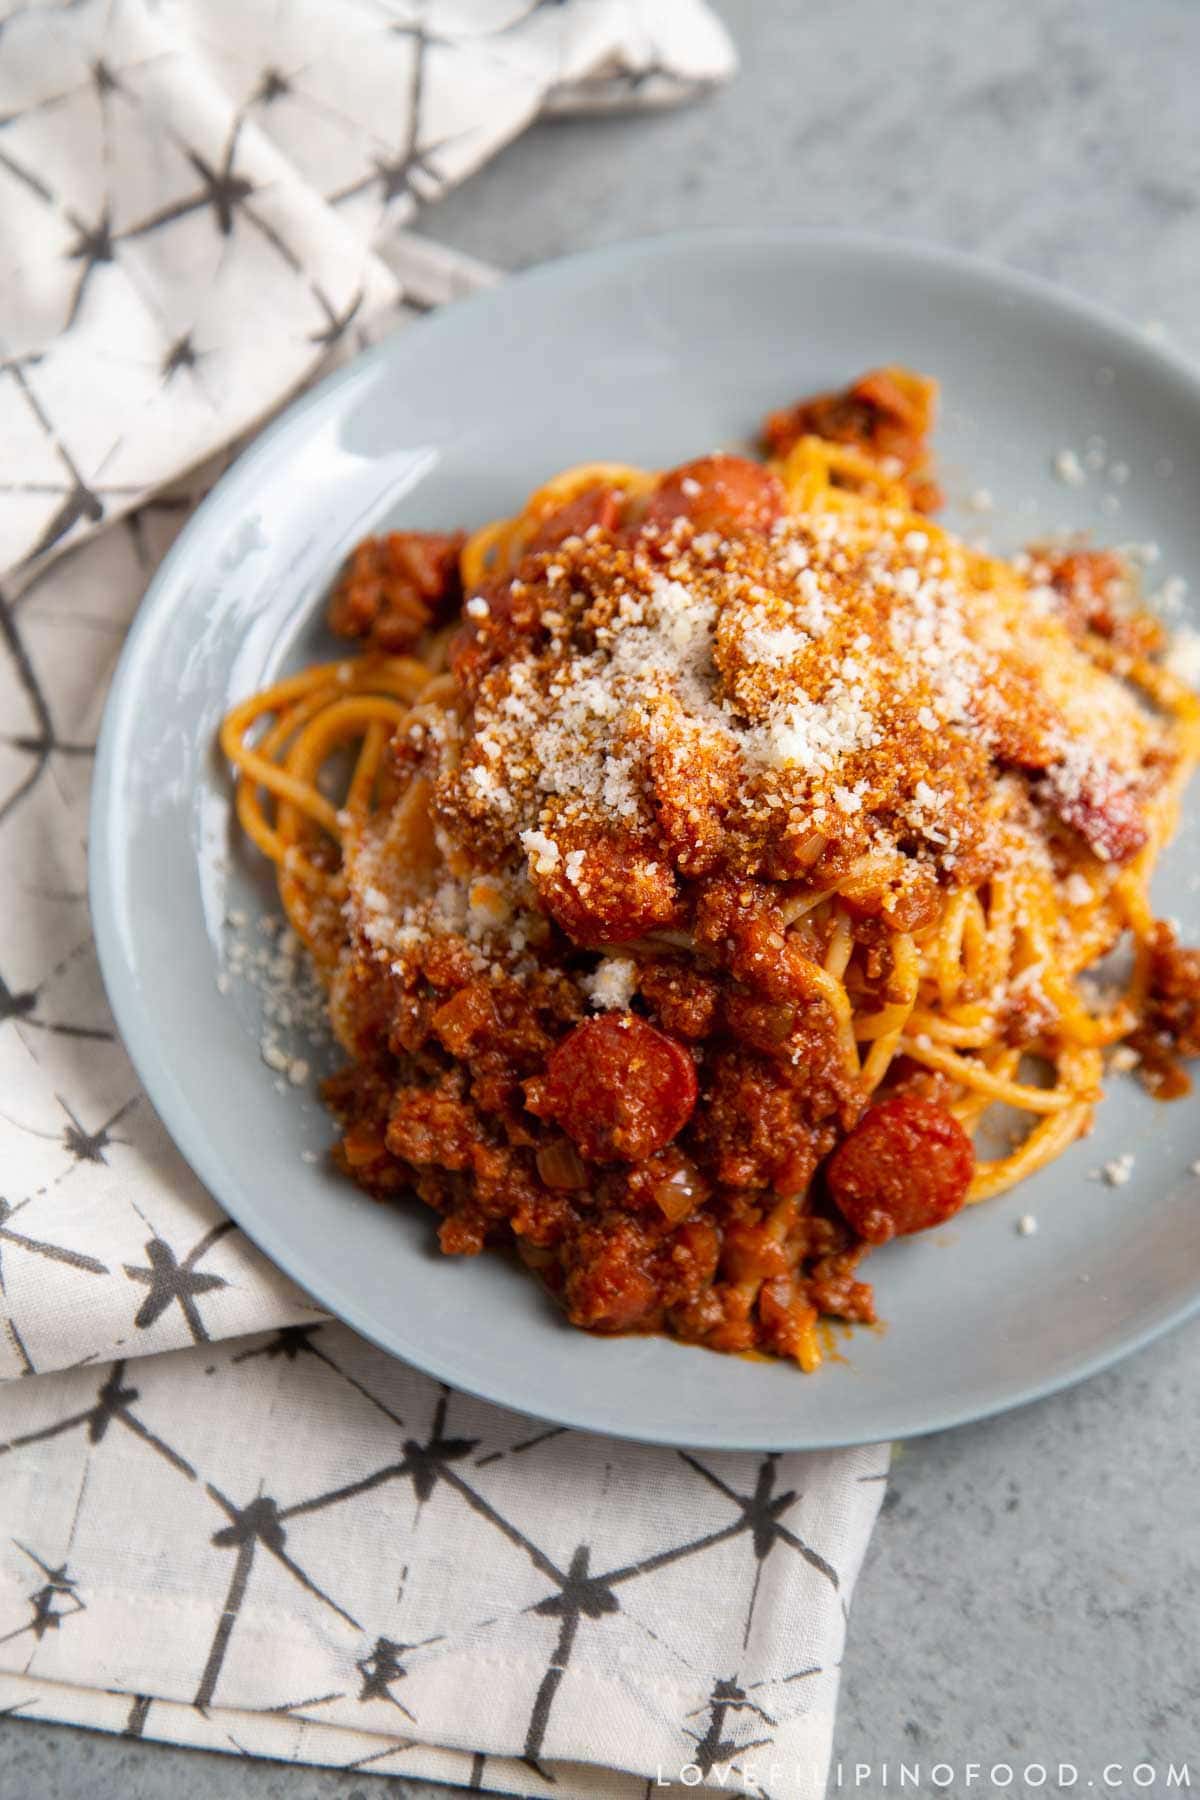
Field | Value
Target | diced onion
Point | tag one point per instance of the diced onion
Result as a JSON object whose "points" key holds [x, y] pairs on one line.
{"points": [[679, 1195], [559, 1166]]}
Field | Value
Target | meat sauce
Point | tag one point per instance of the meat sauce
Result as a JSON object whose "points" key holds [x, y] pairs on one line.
{"points": [[695, 1159], [1170, 1027], [396, 587], [887, 412]]}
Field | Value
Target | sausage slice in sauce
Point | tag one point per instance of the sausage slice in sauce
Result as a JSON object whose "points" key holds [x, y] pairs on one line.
{"points": [[719, 493], [595, 506], [905, 1167], [618, 1087]]}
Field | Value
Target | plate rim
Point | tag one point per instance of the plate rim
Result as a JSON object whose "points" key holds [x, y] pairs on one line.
{"points": [[135, 1021]]}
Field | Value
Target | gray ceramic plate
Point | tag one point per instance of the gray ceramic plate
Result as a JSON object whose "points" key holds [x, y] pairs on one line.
{"points": [[651, 352]]}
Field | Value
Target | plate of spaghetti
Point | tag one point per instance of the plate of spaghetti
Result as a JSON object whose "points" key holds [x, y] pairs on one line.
{"points": [[624, 841]]}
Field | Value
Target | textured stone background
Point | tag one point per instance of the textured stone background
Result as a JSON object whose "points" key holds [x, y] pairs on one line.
{"points": [[1032, 1589]]}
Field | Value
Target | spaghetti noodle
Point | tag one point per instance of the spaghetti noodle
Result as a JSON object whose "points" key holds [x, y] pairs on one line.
{"points": [[700, 861]]}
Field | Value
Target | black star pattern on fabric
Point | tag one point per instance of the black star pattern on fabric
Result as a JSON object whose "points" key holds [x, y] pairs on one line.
{"points": [[89, 1146], [75, 1259], [259, 1523], [222, 189], [18, 1343], [394, 175], [51, 1603], [579, 1594], [579, 1598], [25, 176], [428, 1463], [79, 503], [103, 79], [712, 1748], [582, 1595], [226, 192], [170, 1281], [182, 354], [113, 1405], [93, 246], [21, 1007], [336, 324], [15, 1006], [423, 1464], [382, 1667], [762, 1514], [80, 1143], [79, 500], [272, 86], [290, 1341]]}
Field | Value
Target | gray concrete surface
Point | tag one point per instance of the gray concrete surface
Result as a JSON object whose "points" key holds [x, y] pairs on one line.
{"points": [[1032, 1591]]}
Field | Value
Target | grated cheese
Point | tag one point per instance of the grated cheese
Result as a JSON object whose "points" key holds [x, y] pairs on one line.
{"points": [[1068, 468], [1183, 658], [542, 851], [612, 986]]}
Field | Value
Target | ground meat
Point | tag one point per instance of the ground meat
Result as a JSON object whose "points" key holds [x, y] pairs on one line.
{"points": [[690, 791], [739, 923], [1170, 1026], [488, 1014], [784, 1318], [396, 586], [754, 1130], [680, 997], [428, 1126], [834, 1289], [887, 412], [609, 1284], [1093, 587], [1173, 1002], [687, 1261]]}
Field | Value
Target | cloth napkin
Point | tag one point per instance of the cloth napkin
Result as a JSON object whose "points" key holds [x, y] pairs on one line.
{"points": [[271, 1539], [198, 196]]}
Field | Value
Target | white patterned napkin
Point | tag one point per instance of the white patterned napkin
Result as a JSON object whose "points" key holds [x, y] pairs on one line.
{"points": [[290, 1545], [109, 1246], [296, 1547], [196, 198]]}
